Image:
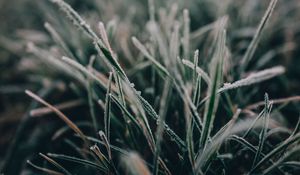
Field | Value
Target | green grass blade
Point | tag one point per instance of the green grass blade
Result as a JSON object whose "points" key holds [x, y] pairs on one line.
{"points": [[211, 105], [107, 109], [123, 108]]}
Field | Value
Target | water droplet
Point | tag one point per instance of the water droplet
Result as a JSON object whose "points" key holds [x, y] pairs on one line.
{"points": [[82, 23], [157, 122], [131, 85]]}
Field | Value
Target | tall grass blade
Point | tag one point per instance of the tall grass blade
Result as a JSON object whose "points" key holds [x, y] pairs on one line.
{"points": [[253, 45], [90, 95], [108, 109], [160, 126], [216, 73]]}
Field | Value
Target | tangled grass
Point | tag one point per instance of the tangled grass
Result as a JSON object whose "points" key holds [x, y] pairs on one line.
{"points": [[149, 94]]}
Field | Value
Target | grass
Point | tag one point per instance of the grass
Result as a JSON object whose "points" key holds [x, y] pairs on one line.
{"points": [[152, 95]]}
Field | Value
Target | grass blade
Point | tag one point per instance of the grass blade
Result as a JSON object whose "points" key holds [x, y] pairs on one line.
{"points": [[293, 153], [216, 73], [60, 114], [57, 165], [107, 109], [254, 78], [253, 45], [78, 161], [160, 127], [205, 156], [297, 128], [199, 71], [168, 130], [162, 70], [82, 24], [278, 149], [84, 70], [106, 143], [57, 38], [95, 149], [46, 170], [186, 33], [123, 108], [89, 87], [262, 135]]}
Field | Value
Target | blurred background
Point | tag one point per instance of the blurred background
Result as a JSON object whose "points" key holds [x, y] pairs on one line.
{"points": [[22, 22]]}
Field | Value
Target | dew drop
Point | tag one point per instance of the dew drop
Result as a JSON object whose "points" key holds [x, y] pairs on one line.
{"points": [[131, 85], [157, 122]]}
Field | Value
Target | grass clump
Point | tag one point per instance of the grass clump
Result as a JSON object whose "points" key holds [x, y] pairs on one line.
{"points": [[152, 104]]}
